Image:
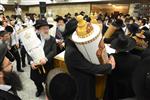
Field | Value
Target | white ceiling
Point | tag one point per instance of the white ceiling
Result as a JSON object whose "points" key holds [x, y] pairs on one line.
{"points": [[33, 2]]}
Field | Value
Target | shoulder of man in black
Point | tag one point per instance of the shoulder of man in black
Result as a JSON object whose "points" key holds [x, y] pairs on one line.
{"points": [[126, 60], [146, 53], [4, 95], [75, 60]]}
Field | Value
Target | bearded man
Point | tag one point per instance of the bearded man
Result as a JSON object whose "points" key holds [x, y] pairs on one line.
{"points": [[9, 81], [49, 46], [59, 34]]}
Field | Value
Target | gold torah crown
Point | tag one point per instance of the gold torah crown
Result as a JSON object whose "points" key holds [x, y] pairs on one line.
{"points": [[84, 28], [93, 18]]}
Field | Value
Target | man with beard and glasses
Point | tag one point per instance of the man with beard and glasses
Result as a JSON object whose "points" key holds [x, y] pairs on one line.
{"points": [[9, 81], [10, 38], [59, 34], [49, 46]]}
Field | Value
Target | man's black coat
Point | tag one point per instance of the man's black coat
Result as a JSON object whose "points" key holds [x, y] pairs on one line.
{"points": [[83, 72]]}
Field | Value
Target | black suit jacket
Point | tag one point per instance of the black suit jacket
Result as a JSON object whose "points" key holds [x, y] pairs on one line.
{"points": [[50, 49], [146, 53], [4, 95], [50, 52], [118, 84], [141, 80], [83, 72]]}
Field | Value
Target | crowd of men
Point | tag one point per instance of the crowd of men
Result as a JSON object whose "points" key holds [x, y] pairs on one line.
{"points": [[127, 70]]}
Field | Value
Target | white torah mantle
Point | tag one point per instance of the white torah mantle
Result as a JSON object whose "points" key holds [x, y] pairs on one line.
{"points": [[32, 44], [88, 46], [87, 38]]}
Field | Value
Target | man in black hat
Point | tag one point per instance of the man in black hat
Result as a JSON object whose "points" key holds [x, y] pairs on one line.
{"points": [[133, 29], [80, 68], [82, 13], [13, 46], [49, 47], [6, 37], [59, 34], [118, 84], [143, 24], [9, 81], [119, 25]]}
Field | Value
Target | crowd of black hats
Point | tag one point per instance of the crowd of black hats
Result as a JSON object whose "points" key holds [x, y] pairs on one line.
{"points": [[119, 42], [125, 43]]}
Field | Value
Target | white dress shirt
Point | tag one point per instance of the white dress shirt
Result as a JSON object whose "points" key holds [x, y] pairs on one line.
{"points": [[5, 87], [14, 38]]}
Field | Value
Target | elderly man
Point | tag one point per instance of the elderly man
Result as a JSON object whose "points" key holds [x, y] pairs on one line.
{"points": [[49, 47], [10, 39]]}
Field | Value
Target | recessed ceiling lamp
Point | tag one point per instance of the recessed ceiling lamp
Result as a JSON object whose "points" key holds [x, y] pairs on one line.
{"points": [[114, 5], [109, 4]]}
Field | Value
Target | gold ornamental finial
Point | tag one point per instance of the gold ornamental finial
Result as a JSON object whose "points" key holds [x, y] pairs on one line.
{"points": [[94, 18], [91, 14], [84, 29], [95, 14]]}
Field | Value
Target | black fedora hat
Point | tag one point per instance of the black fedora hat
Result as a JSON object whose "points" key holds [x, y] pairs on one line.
{"points": [[40, 23], [123, 43], [141, 80], [60, 18], [9, 29], [60, 85], [114, 36], [70, 28], [133, 28], [118, 23], [3, 51]]}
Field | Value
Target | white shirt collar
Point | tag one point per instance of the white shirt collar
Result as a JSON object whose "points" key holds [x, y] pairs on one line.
{"points": [[144, 26], [5, 87]]}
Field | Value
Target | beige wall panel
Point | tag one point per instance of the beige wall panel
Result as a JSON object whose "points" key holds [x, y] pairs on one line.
{"points": [[10, 10], [63, 9], [34, 9]]}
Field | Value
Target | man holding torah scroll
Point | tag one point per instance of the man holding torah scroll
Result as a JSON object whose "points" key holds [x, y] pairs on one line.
{"points": [[49, 46], [114, 30], [82, 70]]}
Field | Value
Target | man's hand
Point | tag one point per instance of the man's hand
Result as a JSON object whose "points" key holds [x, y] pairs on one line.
{"points": [[60, 42], [62, 45], [9, 48], [43, 61], [17, 45], [112, 62], [33, 66]]}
